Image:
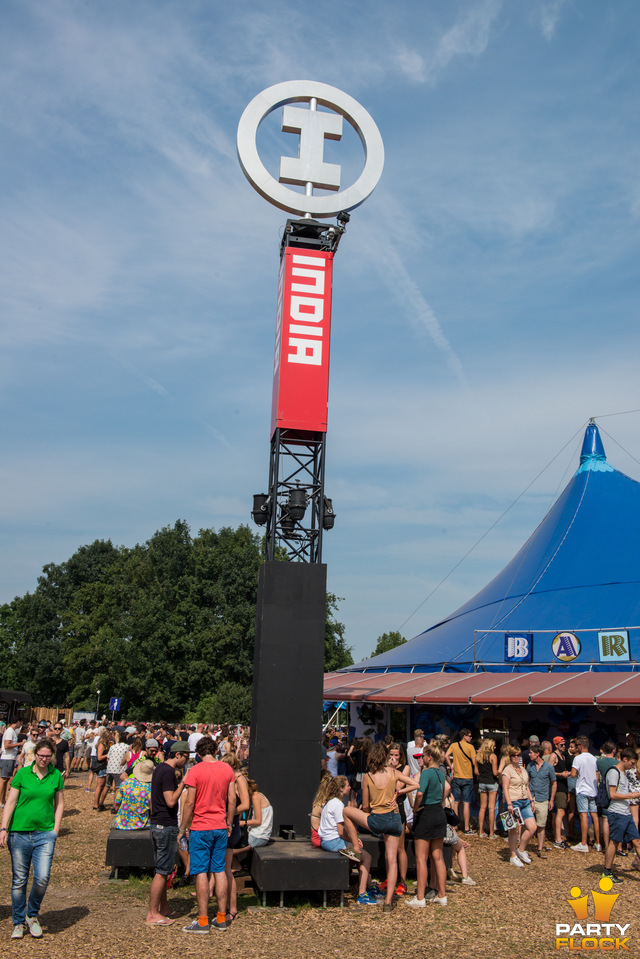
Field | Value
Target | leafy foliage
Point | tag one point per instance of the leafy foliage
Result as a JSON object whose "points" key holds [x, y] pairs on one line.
{"points": [[388, 641], [230, 703], [336, 652], [167, 626]]}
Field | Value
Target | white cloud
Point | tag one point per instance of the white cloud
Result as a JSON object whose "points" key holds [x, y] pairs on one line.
{"points": [[469, 36], [550, 12]]}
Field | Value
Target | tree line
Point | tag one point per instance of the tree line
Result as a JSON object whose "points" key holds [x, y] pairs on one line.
{"points": [[167, 626]]}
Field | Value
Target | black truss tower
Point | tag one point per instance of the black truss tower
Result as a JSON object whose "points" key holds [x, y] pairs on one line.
{"points": [[291, 604], [295, 510]]}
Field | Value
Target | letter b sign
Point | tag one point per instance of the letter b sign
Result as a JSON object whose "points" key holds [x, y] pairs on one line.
{"points": [[518, 648]]}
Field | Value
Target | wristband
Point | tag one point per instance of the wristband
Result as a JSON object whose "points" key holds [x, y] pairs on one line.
{"points": [[4, 829]]}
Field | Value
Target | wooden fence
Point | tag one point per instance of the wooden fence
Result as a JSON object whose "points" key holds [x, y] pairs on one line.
{"points": [[50, 713]]}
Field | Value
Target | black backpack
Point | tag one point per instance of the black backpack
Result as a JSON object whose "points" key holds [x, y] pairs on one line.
{"points": [[603, 797]]}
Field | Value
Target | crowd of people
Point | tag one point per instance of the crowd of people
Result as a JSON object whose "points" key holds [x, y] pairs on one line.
{"points": [[521, 791], [190, 787], [187, 785]]}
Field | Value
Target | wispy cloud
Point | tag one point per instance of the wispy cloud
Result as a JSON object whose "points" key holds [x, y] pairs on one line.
{"points": [[469, 36], [402, 285], [550, 12]]}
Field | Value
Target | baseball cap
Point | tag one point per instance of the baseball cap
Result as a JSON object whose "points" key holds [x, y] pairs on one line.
{"points": [[152, 744], [534, 739], [557, 740], [179, 747]]}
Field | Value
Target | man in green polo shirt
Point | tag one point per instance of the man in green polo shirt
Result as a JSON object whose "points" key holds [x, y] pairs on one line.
{"points": [[31, 822]]}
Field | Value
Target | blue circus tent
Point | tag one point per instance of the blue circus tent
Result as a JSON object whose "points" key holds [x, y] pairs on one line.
{"points": [[568, 600]]}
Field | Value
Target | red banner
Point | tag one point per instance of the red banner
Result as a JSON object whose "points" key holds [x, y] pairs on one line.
{"points": [[303, 329]]}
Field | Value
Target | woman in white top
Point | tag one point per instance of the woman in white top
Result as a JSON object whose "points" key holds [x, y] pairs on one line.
{"points": [[260, 824], [333, 834]]}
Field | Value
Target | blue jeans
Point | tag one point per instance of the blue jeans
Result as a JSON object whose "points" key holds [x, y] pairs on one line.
{"points": [[27, 849]]}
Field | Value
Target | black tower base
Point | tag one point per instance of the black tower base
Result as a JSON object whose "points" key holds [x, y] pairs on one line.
{"points": [[286, 713]]}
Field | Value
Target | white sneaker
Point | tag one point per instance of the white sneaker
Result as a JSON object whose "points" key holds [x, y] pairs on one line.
{"points": [[598, 848], [452, 875], [516, 862], [439, 900], [18, 931], [34, 926], [524, 855], [416, 903], [580, 847], [468, 881]]}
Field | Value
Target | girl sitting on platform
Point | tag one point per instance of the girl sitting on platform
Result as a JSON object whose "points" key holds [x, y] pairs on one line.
{"points": [[332, 833], [324, 794]]}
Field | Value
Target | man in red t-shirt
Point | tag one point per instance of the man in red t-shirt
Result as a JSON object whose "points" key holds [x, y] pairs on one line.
{"points": [[208, 810]]}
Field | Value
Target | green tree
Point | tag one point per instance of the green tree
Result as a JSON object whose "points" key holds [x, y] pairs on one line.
{"points": [[388, 641], [32, 628], [229, 703], [165, 625], [336, 652]]}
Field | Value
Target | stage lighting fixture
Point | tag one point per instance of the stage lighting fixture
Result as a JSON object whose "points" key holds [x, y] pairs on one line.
{"points": [[286, 523], [297, 504], [260, 511], [329, 514], [343, 217]]}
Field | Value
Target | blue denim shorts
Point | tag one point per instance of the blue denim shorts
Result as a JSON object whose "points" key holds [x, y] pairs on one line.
{"points": [[462, 789], [165, 848], [525, 808], [586, 803], [207, 850], [487, 787], [380, 823], [333, 845]]}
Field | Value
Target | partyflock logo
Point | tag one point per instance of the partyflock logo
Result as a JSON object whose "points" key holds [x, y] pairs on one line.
{"points": [[600, 933]]}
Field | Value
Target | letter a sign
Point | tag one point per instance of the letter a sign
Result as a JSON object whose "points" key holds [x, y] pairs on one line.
{"points": [[566, 647], [613, 646]]}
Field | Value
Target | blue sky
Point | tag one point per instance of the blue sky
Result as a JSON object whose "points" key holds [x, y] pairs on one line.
{"points": [[485, 296]]}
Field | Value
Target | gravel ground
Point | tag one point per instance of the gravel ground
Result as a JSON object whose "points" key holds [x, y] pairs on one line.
{"points": [[510, 912]]}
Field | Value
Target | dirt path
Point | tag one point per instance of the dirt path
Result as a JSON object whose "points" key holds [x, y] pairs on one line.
{"points": [[511, 912]]}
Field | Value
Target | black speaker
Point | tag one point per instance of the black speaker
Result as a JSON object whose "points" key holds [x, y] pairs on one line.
{"points": [[286, 712]]}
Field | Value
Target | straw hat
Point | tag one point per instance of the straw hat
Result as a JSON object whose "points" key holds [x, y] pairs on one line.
{"points": [[144, 771]]}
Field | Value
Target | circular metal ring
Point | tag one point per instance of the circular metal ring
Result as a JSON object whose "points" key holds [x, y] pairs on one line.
{"points": [[300, 91]]}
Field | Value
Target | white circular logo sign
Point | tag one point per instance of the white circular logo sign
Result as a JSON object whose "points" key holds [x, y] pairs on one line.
{"points": [[566, 647], [309, 168]]}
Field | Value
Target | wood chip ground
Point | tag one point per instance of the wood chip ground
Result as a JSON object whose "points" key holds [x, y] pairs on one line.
{"points": [[510, 914]]}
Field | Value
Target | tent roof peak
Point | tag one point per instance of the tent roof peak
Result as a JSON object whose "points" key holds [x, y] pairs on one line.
{"points": [[592, 455]]}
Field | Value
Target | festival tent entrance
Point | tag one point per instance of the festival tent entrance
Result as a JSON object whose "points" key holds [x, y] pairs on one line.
{"points": [[565, 607]]}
